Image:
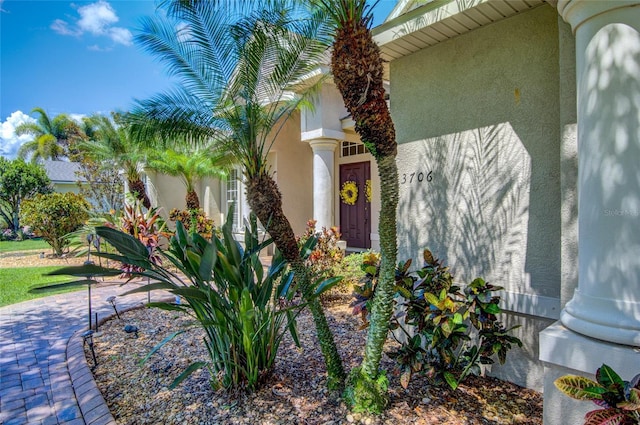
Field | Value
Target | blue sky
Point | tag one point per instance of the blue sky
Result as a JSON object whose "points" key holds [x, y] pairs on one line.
{"points": [[78, 58]]}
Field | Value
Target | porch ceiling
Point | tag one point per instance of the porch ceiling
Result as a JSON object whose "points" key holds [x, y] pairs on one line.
{"points": [[440, 20]]}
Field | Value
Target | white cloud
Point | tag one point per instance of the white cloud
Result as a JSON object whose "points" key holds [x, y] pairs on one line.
{"points": [[61, 27], [9, 142], [96, 19], [121, 35]]}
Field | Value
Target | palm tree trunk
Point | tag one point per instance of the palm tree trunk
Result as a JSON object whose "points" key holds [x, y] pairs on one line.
{"points": [[265, 200], [137, 188], [382, 307], [193, 202], [357, 70]]}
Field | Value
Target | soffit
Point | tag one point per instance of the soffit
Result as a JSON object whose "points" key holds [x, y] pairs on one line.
{"points": [[440, 20]]}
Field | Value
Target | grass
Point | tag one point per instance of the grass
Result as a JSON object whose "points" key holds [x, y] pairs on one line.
{"points": [[25, 245], [16, 282]]}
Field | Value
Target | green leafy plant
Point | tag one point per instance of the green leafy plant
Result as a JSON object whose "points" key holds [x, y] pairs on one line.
{"points": [[244, 309], [53, 216], [194, 219], [449, 332], [326, 253], [619, 400], [19, 181], [323, 254], [350, 268]]}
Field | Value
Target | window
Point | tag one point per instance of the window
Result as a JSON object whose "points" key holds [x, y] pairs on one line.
{"points": [[352, 148], [233, 197]]}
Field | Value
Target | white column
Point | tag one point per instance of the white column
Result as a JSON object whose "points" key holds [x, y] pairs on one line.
{"points": [[606, 304], [323, 183]]}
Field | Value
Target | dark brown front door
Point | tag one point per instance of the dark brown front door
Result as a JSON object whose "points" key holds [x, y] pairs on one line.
{"points": [[355, 209]]}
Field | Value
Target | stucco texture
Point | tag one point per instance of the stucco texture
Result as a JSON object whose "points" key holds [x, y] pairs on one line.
{"points": [[481, 114], [292, 162]]}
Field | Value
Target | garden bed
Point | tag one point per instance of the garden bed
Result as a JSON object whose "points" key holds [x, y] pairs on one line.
{"points": [[295, 392]]}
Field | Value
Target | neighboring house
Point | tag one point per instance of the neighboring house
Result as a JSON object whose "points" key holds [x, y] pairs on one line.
{"points": [[63, 175], [491, 99]]}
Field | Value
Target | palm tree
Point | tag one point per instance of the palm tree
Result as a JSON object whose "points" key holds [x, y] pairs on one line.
{"points": [[357, 70], [114, 143], [235, 89], [51, 137], [190, 167]]}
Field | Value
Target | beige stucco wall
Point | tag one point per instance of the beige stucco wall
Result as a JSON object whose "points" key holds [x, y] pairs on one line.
{"points": [[481, 112], [292, 162]]}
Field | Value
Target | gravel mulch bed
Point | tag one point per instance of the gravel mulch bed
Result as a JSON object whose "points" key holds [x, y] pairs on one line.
{"points": [[34, 259], [294, 394]]}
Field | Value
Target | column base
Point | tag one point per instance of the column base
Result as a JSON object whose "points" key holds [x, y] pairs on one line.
{"points": [[566, 352], [612, 320]]}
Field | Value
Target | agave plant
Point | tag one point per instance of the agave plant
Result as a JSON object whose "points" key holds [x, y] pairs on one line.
{"points": [[619, 400]]}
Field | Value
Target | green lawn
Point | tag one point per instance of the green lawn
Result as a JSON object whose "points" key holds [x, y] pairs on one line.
{"points": [[26, 245], [16, 282]]}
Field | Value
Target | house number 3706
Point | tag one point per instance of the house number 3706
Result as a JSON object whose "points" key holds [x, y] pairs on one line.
{"points": [[416, 177]]}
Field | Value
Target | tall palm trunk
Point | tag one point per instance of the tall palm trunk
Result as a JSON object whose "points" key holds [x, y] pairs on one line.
{"points": [[193, 202], [265, 200], [137, 188], [357, 69]]}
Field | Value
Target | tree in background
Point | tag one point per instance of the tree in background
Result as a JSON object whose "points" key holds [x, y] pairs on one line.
{"points": [[113, 144], [19, 181], [190, 165], [53, 138], [357, 70], [54, 215], [100, 183], [236, 65]]}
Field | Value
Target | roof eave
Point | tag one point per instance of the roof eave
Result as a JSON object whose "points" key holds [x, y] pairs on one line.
{"points": [[441, 20]]}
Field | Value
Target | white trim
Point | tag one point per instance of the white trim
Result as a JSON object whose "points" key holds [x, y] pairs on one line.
{"points": [[322, 133], [530, 304], [401, 7], [563, 347]]}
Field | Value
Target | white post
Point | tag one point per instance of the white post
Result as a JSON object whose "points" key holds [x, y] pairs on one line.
{"points": [[323, 181], [606, 304]]}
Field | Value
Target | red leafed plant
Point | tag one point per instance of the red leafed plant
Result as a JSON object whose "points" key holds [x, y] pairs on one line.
{"points": [[146, 228], [326, 253], [619, 399]]}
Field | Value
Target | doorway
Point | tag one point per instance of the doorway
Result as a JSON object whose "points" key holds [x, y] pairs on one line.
{"points": [[355, 204]]}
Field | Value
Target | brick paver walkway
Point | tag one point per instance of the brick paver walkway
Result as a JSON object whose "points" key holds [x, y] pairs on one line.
{"points": [[43, 374]]}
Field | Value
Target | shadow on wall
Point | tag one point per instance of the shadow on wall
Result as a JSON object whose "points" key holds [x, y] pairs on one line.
{"points": [[474, 211]]}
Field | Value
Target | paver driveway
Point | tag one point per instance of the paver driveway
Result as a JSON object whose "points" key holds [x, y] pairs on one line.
{"points": [[35, 380]]}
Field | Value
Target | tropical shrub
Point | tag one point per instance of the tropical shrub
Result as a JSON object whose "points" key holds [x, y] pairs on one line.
{"points": [[326, 254], [449, 332], [241, 306], [619, 400], [145, 227], [19, 181], [195, 220], [53, 216], [351, 268]]}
